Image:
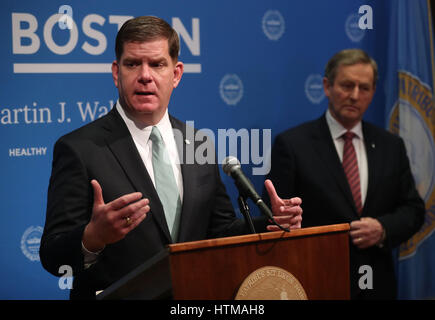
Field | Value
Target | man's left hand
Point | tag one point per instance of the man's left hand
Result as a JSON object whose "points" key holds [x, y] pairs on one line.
{"points": [[366, 232], [287, 212]]}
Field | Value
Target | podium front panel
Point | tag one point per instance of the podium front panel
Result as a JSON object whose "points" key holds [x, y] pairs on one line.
{"points": [[215, 269]]}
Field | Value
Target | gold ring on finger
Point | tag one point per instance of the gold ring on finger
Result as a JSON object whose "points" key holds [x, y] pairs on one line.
{"points": [[128, 220]]}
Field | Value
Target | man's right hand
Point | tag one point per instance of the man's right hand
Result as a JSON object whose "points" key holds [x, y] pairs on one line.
{"points": [[112, 221]]}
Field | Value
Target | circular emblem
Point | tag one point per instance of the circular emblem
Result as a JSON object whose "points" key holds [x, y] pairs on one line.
{"points": [[353, 31], [231, 89], [314, 88], [421, 155], [271, 283], [30, 242], [410, 117], [273, 24]]}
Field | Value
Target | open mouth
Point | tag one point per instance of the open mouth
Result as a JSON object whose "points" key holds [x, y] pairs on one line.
{"points": [[144, 93]]}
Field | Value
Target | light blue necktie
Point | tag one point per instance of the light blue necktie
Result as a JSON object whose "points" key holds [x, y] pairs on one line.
{"points": [[165, 183]]}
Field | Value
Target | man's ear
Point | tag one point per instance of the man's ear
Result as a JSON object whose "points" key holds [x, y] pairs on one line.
{"points": [[178, 73], [115, 70], [326, 86]]}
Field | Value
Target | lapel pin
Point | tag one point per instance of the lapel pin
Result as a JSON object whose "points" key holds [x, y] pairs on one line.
{"points": [[373, 145]]}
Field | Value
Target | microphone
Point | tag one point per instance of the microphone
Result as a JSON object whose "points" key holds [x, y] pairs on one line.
{"points": [[231, 166]]}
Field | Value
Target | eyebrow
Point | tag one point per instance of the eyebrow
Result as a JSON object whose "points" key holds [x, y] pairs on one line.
{"points": [[349, 81], [130, 59], [150, 60], [158, 60]]}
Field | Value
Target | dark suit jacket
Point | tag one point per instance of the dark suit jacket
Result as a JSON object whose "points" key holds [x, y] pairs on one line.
{"points": [[305, 163], [104, 150]]}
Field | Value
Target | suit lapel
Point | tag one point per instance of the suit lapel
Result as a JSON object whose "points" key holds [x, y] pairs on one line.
{"points": [[325, 147], [121, 144], [185, 141]]}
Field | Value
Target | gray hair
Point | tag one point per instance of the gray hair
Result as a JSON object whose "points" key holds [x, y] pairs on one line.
{"points": [[349, 57]]}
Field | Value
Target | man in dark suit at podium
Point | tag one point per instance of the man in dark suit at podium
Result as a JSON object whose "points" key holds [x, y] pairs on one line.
{"points": [[121, 187], [347, 170]]}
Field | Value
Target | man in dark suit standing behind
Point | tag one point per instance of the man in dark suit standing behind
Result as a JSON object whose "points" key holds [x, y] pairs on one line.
{"points": [[121, 188], [349, 171]]}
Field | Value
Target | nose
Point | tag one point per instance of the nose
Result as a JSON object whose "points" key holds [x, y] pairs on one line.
{"points": [[145, 74], [355, 93]]}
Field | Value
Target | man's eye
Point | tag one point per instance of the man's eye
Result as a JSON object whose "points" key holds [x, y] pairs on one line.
{"points": [[131, 64], [157, 65]]}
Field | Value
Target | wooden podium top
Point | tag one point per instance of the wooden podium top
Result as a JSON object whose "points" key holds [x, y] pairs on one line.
{"points": [[228, 241]]}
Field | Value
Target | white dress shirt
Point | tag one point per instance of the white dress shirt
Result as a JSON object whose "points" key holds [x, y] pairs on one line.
{"points": [[337, 131], [141, 138]]}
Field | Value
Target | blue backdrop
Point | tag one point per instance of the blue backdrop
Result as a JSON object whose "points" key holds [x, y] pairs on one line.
{"points": [[249, 65]]}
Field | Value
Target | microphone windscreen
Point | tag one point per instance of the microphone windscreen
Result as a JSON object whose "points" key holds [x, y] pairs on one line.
{"points": [[229, 164]]}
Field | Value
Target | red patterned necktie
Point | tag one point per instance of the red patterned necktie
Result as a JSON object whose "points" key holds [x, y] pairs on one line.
{"points": [[351, 170]]}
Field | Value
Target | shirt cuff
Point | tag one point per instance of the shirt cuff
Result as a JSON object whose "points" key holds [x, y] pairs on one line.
{"points": [[89, 257], [380, 244]]}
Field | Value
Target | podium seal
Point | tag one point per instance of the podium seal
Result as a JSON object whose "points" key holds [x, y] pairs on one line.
{"points": [[271, 283]]}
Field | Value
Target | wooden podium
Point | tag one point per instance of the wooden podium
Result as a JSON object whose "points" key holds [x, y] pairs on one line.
{"points": [[317, 257]]}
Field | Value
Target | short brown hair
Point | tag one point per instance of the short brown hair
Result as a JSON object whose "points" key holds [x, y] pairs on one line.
{"points": [[147, 28], [349, 57]]}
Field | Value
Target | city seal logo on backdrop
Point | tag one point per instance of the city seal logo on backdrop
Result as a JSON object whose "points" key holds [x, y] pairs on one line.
{"points": [[273, 24], [314, 88], [30, 242], [231, 89], [352, 28]]}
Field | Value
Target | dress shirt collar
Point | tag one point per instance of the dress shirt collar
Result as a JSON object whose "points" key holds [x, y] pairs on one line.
{"points": [[337, 130], [142, 133]]}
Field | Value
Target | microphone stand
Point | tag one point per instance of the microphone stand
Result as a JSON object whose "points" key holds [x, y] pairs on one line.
{"points": [[243, 205]]}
